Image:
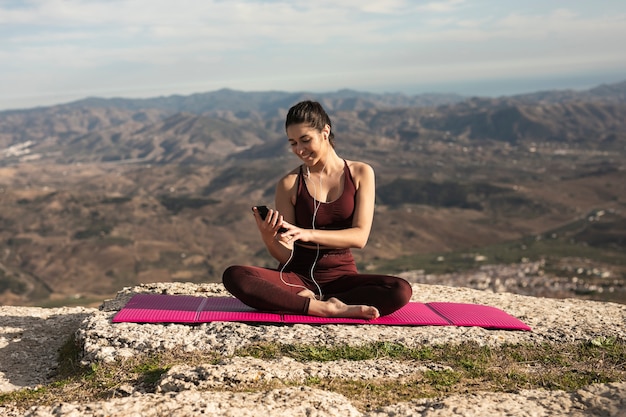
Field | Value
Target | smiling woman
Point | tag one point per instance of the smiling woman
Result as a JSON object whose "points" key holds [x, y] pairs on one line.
{"points": [[324, 208]]}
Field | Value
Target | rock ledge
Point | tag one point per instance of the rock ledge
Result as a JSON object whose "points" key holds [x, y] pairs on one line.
{"points": [[31, 337]]}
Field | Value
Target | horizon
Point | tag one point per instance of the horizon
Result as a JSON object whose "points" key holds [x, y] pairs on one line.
{"points": [[511, 91], [56, 53]]}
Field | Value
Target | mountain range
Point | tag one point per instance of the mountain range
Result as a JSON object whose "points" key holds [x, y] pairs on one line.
{"points": [[102, 193]]}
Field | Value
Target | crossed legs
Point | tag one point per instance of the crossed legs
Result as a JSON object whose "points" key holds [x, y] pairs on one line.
{"points": [[354, 296]]}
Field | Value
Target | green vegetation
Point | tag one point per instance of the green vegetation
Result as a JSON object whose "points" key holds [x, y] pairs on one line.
{"points": [[97, 229], [461, 368], [306, 353], [444, 194], [16, 241], [550, 246], [116, 200], [11, 283], [67, 302], [177, 203]]}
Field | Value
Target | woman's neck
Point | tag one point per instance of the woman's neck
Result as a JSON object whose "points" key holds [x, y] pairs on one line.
{"points": [[329, 165]]}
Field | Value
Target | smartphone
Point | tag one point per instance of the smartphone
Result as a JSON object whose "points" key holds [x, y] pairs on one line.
{"points": [[263, 211]]}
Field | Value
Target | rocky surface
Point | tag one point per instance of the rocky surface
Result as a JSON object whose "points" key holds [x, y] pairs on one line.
{"points": [[30, 339], [600, 400]]}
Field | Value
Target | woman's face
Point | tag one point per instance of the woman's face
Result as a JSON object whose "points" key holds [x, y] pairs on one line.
{"points": [[308, 143]]}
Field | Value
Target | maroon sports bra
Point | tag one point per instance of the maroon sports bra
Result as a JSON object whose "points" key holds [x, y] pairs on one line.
{"points": [[334, 215]]}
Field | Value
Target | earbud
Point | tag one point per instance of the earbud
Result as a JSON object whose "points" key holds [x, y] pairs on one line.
{"points": [[308, 172]]}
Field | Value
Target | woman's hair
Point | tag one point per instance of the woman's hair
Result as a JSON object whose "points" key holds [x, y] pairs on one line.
{"points": [[311, 113]]}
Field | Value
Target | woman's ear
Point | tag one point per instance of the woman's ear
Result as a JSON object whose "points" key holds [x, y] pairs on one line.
{"points": [[326, 131]]}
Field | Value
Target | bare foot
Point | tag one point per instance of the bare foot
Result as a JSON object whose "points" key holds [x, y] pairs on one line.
{"points": [[334, 307], [308, 294]]}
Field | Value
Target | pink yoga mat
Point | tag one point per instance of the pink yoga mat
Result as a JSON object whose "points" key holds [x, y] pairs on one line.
{"points": [[477, 315], [231, 309], [159, 308], [415, 314]]}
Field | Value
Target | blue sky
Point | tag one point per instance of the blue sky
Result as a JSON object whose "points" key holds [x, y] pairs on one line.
{"points": [[54, 51]]}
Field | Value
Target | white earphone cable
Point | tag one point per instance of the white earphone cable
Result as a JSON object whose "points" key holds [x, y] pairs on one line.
{"points": [[316, 206]]}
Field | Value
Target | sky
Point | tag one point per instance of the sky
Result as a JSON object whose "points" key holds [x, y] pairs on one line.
{"points": [[57, 51]]}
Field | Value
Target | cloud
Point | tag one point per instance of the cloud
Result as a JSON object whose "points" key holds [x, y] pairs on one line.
{"points": [[441, 6], [160, 45]]}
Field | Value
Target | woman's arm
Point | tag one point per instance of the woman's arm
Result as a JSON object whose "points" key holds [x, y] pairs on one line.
{"points": [[353, 237], [278, 245]]}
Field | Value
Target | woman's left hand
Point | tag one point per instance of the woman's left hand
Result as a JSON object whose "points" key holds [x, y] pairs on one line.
{"points": [[294, 233]]}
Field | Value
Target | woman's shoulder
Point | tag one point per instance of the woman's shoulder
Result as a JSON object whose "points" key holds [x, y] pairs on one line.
{"points": [[293, 173], [288, 180], [361, 172], [359, 168]]}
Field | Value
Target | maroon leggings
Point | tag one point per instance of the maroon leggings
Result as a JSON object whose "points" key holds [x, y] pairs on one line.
{"points": [[336, 274]]}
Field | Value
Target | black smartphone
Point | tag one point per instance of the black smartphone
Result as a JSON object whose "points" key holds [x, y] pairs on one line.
{"points": [[263, 211]]}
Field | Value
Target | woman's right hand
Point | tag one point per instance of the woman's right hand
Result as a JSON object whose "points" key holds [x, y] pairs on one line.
{"points": [[274, 240], [270, 226]]}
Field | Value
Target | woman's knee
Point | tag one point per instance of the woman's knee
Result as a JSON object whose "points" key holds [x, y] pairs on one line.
{"points": [[231, 277], [400, 287], [404, 287], [401, 293]]}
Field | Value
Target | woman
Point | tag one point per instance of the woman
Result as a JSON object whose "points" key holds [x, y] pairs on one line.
{"points": [[323, 208]]}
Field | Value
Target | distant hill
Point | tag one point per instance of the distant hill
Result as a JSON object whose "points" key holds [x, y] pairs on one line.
{"points": [[606, 92], [267, 104], [203, 128], [588, 123]]}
